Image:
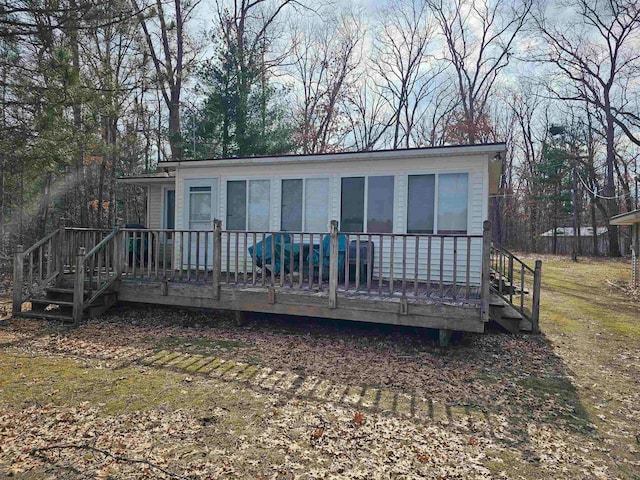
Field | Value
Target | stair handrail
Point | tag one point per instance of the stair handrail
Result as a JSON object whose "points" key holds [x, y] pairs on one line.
{"points": [[87, 263], [536, 272], [47, 252]]}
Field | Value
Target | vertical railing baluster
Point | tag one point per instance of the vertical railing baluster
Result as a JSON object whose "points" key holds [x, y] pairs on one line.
{"points": [[404, 265], [136, 253], [380, 255], [310, 261], [468, 277], [357, 287], [347, 260], [333, 265], [273, 260], [282, 262], [216, 271], [521, 288], [320, 261], [253, 259], [40, 263], [441, 266], [291, 259], [236, 263], [245, 239], [455, 266], [391, 261], [428, 293], [263, 251], [301, 262], [416, 255], [205, 271], [369, 262]]}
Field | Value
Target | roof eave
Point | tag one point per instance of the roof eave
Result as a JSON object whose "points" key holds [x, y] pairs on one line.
{"points": [[629, 218]]}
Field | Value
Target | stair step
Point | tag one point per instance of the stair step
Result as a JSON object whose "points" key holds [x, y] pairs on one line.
{"points": [[49, 301], [45, 315]]}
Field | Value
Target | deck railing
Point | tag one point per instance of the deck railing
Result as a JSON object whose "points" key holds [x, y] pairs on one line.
{"points": [[517, 283], [412, 265]]}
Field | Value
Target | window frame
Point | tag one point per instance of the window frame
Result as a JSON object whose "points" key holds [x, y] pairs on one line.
{"points": [[365, 221], [436, 199], [247, 199], [304, 198]]}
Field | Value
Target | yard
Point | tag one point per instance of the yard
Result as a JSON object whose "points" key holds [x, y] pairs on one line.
{"points": [[157, 393]]}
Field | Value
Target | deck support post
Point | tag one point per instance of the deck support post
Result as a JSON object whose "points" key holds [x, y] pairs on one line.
{"points": [[60, 249], [18, 273], [485, 290], [445, 337], [240, 318], [78, 287], [217, 257], [333, 264], [535, 310]]}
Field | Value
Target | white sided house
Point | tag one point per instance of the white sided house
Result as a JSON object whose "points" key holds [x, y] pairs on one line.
{"points": [[395, 236]]}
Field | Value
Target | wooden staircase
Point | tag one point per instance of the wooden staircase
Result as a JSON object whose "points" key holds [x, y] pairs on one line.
{"points": [[515, 292], [57, 304], [63, 283]]}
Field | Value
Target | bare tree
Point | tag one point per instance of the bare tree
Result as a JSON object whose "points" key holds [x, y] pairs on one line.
{"points": [[325, 62], [404, 64], [479, 41], [594, 52], [163, 27]]}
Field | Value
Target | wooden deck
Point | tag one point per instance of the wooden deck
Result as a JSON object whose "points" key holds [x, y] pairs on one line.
{"points": [[432, 281]]}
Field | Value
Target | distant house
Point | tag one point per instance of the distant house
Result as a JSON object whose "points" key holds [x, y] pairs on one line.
{"points": [[632, 219], [564, 241]]}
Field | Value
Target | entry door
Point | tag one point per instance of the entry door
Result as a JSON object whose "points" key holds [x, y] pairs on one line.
{"points": [[201, 203]]}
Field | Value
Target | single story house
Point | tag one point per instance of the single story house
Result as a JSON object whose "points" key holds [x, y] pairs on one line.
{"points": [[391, 236]]}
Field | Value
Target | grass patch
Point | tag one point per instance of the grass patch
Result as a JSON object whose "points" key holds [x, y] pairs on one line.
{"points": [[577, 296], [63, 381]]}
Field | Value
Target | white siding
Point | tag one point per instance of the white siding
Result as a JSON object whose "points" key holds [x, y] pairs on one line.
{"points": [[154, 207], [475, 165]]}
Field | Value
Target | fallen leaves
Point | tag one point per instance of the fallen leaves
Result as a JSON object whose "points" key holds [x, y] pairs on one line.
{"points": [[358, 418]]}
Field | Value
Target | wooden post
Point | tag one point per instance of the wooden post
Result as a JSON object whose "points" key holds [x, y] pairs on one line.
{"points": [[485, 290], [535, 312], [60, 249], [217, 257], [18, 273], [333, 263], [444, 337], [78, 287], [118, 252]]}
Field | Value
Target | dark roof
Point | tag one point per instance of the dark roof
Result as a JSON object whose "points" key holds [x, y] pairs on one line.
{"points": [[284, 155]]}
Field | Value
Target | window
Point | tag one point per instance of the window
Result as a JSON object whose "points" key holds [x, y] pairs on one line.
{"points": [[291, 206], [380, 205], [378, 209], [200, 208], [248, 208], [420, 203], [169, 217], [305, 205], [452, 202]]}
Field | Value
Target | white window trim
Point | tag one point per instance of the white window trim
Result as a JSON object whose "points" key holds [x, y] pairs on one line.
{"points": [[366, 197], [436, 198], [304, 196]]}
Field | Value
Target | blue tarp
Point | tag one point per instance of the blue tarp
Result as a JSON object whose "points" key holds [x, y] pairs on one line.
{"points": [[263, 253]]}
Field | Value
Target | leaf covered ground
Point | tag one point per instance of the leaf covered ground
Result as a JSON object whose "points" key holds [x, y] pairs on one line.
{"points": [[162, 393]]}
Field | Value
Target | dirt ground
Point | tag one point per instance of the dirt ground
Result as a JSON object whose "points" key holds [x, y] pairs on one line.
{"points": [[160, 393]]}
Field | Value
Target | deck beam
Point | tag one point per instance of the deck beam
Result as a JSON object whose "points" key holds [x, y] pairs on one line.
{"points": [[257, 299]]}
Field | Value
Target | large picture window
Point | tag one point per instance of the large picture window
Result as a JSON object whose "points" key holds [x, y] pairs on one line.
{"points": [[373, 216], [305, 205], [452, 202], [248, 207]]}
